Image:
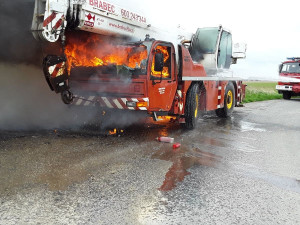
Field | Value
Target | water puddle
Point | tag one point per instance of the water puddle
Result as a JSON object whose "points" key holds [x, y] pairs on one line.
{"points": [[282, 182], [247, 126], [60, 180], [182, 159]]}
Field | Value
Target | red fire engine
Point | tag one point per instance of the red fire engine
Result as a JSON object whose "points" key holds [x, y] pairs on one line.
{"points": [[289, 71], [163, 73]]}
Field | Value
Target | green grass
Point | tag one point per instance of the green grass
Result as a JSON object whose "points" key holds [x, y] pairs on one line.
{"points": [[261, 91]]}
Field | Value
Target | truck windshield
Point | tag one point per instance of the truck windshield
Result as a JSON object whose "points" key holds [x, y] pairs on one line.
{"points": [[125, 60], [106, 58], [290, 68], [134, 60], [204, 42]]}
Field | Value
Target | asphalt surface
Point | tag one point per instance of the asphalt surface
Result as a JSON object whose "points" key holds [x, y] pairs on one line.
{"points": [[240, 170]]}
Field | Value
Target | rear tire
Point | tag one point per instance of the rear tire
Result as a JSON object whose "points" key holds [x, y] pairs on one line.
{"points": [[192, 107], [229, 102], [286, 95]]}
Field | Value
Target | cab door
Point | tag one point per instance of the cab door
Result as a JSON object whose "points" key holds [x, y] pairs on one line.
{"points": [[162, 85], [225, 51]]}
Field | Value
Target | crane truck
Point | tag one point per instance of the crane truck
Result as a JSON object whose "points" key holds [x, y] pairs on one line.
{"points": [[289, 71], [161, 72]]}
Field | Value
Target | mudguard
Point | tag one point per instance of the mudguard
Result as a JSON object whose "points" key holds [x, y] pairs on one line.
{"points": [[56, 73]]}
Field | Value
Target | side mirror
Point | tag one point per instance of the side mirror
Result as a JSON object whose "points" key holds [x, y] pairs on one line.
{"points": [[238, 52], [159, 61], [280, 67]]}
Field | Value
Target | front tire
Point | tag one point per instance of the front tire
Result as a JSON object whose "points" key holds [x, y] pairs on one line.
{"points": [[229, 102], [287, 95], [67, 97], [192, 107]]}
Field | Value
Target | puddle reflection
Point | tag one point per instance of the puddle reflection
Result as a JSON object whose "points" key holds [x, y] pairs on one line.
{"points": [[182, 159]]}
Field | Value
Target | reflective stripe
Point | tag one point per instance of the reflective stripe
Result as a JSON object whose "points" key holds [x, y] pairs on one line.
{"points": [[79, 102], [49, 19], [107, 102], [143, 108], [87, 103], [91, 98], [58, 23], [113, 103], [118, 104]]}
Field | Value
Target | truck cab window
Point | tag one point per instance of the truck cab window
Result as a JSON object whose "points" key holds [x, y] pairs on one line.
{"points": [[225, 51], [204, 42], [166, 73], [290, 68], [284, 68]]}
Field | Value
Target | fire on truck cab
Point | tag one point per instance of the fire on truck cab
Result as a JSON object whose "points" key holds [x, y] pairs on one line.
{"points": [[289, 71], [178, 77]]}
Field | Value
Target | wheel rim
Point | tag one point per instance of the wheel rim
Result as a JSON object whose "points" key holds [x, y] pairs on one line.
{"points": [[229, 99], [196, 110]]}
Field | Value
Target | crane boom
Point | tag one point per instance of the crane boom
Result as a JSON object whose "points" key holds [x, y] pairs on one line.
{"points": [[52, 17]]}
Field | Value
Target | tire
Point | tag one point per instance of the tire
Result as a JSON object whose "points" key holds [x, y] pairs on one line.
{"points": [[286, 95], [67, 97], [229, 102], [192, 107]]}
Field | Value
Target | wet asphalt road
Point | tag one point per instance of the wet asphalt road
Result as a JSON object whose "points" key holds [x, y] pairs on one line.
{"points": [[242, 170]]}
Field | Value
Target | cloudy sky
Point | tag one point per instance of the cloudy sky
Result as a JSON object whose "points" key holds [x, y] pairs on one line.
{"points": [[271, 29]]}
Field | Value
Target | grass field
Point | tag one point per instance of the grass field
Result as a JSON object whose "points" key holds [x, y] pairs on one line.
{"points": [[261, 91]]}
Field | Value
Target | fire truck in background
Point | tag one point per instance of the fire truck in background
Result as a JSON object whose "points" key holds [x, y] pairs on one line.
{"points": [[289, 71], [161, 72]]}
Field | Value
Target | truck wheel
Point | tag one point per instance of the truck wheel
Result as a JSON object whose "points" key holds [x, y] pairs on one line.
{"points": [[192, 107], [229, 102], [67, 97], [287, 95]]}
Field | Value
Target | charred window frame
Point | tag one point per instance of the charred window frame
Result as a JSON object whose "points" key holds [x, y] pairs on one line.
{"points": [[144, 63]]}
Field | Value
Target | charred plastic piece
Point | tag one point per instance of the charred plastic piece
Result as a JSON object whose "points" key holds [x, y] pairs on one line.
{"points": [[56, 73]]}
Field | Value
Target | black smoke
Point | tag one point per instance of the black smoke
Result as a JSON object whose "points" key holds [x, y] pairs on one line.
{"points": [[26, 101], [17, 44]]}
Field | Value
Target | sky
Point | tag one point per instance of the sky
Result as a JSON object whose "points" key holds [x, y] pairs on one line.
{"points": [[271, 29]]}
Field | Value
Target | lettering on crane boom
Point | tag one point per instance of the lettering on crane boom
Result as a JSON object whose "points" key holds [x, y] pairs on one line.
{"points": [[103, 6], [132, 16], [110, 8]]}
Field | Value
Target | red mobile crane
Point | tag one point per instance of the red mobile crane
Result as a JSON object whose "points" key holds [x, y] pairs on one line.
{"points": [[175, 73]]}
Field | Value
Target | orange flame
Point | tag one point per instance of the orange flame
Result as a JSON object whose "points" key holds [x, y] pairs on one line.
{"points": [[91, 50], [115, 131], [165, 73], [167, 118], [112, 132]]}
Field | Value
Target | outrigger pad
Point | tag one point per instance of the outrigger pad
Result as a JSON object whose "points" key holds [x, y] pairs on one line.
{"points": [[56, 73]]}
